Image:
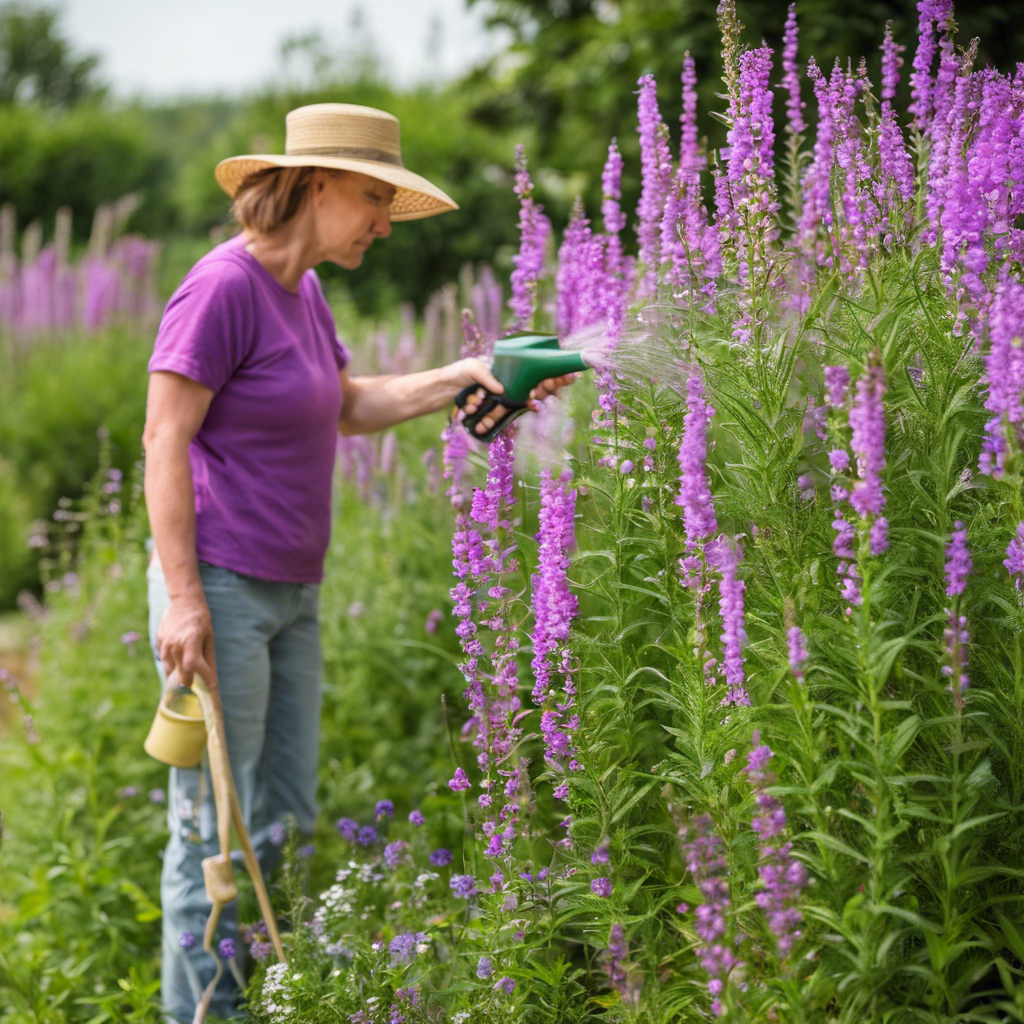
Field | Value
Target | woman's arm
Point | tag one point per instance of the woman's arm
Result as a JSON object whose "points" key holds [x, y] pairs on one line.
{"points": [[175, 410], [376, 403]]}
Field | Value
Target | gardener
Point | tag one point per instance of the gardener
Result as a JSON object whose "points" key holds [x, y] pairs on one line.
{"points": [[249, 385]]}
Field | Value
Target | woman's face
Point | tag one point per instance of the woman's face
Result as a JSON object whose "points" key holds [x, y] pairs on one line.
{"points": [[351, 210]]}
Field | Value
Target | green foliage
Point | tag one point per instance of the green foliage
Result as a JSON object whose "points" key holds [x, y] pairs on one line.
{"points": [[36, 64], [54, 398], [80, 158]]}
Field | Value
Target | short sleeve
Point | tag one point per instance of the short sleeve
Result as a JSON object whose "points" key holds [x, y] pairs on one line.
{"points": [[207, 328], [325, 318]]}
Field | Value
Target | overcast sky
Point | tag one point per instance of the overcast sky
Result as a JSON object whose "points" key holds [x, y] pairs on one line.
{"points": [[168, 48]]}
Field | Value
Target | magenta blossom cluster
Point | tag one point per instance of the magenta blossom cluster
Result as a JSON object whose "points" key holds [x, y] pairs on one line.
{"points": [[655, 178], [867, 424], [783, 877], [704, 853], [621, 977], [796, 644]]}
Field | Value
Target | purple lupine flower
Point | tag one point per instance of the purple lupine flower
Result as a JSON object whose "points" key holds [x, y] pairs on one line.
{"points": [[396, 853], [505, 985], [416, 818], [656, 178], [484, 968], [942, 99], [186, 940], [366, 836], [534, 229], [704, 853], [957, 639], [384, 809], [464, 886], [347, 829], [791, 74], [1004, 376], [797, 649], [1014, 560], [226, 948], [459, 782], [601, 887], [440, 857], [616, 268], [958, 561], [783, 878], [694, 491], [867, 423], [730, 605], [570, 276]]}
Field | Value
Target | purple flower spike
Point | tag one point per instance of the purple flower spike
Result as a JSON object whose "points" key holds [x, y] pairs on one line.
{"points": [[656, 178], [694, 491], [791, 74], [867, 421], [730, 604], [459, 781], [837, 386], [958, 561], [534, 229], [1014, 560], [797, 649]]}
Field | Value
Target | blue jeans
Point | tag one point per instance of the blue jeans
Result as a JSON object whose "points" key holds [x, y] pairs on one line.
{"points": [[267, 640]]}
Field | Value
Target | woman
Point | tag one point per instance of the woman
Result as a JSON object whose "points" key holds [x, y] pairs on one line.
{"points": [[248, 386]]}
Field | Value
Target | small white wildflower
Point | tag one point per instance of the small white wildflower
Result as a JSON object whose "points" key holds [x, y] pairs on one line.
{"points": [[422, 947]]}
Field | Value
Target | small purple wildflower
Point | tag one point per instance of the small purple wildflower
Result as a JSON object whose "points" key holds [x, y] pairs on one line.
{"points": [[601, 887], [130, 638], [506, 985], [186, 940], [484, 968], [306, 851], [384, 809], [957, 638], [837, 386], [464, 886], [347, 829], [402, 947], [867, 422], [600, 854], [440, 857], [367, 836], [260, 951], [534, 229], [157, 796], [727, 556], [396, 853], [127, 792], [278, 833], [459, 782], [226, 948], [416, 818]]}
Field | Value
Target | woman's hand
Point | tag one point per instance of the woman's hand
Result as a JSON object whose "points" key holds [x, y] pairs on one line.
{"points": [[475, 371], [184, 641]]}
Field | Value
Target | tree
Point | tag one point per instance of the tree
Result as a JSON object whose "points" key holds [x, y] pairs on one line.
{"points": [[36, 64]]}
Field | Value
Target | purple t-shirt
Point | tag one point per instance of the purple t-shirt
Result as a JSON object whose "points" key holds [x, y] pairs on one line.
{"points": [[263, 459]]}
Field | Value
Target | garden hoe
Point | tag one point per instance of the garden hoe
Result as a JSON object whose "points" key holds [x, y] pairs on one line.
{"points": [[521, 362], [177, 738]]}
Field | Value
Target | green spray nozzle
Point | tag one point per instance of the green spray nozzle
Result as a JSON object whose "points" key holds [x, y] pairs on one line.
{"points": [[520, 362]]}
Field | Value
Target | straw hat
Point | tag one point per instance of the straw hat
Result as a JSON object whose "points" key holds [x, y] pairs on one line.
{"points": [[345, 137]]}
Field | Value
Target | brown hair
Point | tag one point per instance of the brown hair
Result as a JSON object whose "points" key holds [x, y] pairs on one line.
{"points": [[269, 197]]}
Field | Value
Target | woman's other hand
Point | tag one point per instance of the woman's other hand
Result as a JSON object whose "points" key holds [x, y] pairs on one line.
{"points": [[185, 641]]}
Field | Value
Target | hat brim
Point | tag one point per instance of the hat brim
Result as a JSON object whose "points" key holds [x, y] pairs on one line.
{"points": [[415, 197]]}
